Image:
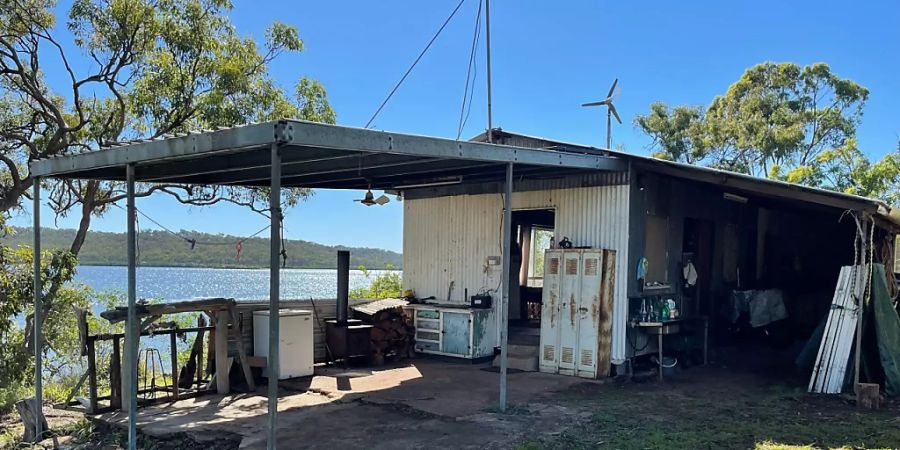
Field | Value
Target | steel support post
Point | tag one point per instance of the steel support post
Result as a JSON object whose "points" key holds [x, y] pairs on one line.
{"points": [[274, 293], [487, 47], [132, 325], [38, 314], [504, 303]]}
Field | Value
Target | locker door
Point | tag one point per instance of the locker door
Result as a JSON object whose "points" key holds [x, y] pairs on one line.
{"points": [[589, 313], [550, 312], [568, 309]]}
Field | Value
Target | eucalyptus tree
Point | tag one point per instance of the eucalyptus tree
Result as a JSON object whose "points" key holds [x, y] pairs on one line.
{"points": [[782, 121], [126, 69]]}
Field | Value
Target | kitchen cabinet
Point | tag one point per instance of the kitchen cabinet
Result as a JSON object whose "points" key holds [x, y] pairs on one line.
{"points": [[456, 331]]}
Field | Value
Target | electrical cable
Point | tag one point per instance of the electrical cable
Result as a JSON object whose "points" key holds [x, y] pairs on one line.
{"points": [[193, 241], [471, 76], [408, 71], [633, 345]]}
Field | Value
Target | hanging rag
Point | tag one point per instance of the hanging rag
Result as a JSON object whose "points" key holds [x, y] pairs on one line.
{"points": [[642, 267], [690, 274]]}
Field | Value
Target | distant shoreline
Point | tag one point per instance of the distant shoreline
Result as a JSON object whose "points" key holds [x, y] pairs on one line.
{"points": [[215, 251], [396, 269]]}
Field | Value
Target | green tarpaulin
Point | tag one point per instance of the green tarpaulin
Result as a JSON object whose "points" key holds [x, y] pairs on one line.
{"points": [[887, 330]]}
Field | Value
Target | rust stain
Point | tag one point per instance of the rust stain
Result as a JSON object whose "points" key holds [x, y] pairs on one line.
{"points": [[595, 306], [552, 308], [572, 309]]}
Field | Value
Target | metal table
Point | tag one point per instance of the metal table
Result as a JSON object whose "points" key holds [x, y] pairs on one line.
{"points": [[673, 326]]}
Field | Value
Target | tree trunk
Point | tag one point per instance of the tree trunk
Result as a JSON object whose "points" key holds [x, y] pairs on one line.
{"points": [[10, 199], [87, 209], [29, 411]]}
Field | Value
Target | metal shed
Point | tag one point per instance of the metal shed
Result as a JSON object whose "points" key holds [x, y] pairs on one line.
{"points": [[291, 153]]}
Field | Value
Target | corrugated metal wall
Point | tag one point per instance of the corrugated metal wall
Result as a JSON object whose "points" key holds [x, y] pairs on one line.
{"points": [[450, 238]]}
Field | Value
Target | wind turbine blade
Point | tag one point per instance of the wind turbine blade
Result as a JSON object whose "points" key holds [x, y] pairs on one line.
{"points": [[613, 87], [594, 103], [615, 113]]}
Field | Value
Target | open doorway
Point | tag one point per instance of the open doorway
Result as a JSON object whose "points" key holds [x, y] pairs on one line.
{"points": [[697, 261], [533, 234]]}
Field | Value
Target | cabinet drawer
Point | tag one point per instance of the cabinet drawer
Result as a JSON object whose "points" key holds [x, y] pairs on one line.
{"points": [[428, 336], [427, 346], [428, 314], [428, 324]]}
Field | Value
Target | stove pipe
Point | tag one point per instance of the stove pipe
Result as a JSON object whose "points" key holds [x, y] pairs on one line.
{"points": [[343, 285]]}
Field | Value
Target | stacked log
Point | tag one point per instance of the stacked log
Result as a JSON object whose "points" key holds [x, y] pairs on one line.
{"points": [[393, 336]]}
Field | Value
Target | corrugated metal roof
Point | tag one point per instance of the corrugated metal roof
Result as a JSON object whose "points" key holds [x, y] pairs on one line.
{"points": [[708, 174], [376, 306], [316, 155]]}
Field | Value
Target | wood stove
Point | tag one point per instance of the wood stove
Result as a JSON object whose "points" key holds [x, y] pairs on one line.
{"points": [[346, 338]]}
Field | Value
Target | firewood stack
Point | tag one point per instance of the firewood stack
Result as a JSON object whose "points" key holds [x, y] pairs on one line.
{"points": [[393, 336]]}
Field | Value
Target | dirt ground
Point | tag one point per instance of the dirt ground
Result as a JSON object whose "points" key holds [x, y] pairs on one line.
{"points": [[418, 405], [431, 404]]}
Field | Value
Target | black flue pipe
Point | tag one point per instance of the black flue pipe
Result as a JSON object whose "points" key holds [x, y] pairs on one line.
{"points": [[343, 285]]}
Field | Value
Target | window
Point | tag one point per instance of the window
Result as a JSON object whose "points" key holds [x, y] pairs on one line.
{"points": [[540, 242]]}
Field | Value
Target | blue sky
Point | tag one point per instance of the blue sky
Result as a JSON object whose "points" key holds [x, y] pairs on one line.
{"points": [[548, 58]]}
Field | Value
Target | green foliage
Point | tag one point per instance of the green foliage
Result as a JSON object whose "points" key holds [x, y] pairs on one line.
{"points": [[148, 68], [9, 395], [16, 301], [677, 132], [387, 284], [61, 348], [159, 248], [781, 121], [157, 67], [539, 246], [847, 169]]}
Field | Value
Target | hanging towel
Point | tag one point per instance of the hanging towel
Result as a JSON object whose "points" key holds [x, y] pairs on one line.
{"points": [[690, 274]]}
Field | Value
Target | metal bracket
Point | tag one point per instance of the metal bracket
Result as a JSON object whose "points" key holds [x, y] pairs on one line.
{"points": [[284, 132]]}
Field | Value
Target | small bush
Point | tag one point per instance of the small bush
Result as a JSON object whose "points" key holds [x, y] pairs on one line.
{"points": [[9, 395], [388, 284]]}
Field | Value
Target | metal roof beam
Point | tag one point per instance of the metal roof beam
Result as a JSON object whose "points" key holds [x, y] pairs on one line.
{"points": [[413, 173], [255, 161], [350, 164], [305, 134], [192, 144], [330, 136], [471, 173]]}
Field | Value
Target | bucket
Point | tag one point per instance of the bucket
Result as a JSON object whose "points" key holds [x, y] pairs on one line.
{"points": [[669, 365]]}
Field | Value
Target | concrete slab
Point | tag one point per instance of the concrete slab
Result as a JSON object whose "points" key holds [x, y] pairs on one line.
{"points": [[418, 405]]}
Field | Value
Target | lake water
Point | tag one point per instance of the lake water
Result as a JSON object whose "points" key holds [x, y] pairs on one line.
{"points": [[180, 283]]}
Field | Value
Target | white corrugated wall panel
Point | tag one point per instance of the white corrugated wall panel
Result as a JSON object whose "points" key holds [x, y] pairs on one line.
{"points": [[450, 238]]}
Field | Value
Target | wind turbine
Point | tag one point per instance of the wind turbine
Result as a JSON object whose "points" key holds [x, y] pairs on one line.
{"points": [[610, 110]]}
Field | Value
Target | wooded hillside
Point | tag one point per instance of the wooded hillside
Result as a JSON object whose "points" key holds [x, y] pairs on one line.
{"points": [[159, 248]]}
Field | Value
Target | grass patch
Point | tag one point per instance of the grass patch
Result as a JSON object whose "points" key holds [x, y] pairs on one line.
{"points": [[697, 414]]}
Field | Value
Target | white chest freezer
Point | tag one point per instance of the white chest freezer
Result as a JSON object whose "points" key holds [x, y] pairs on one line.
{"points": [[295, 345]]}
